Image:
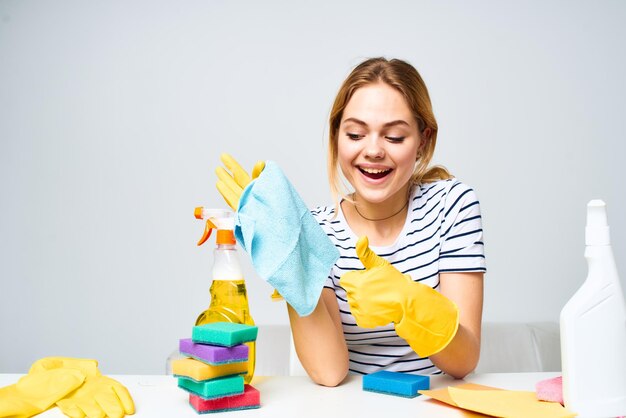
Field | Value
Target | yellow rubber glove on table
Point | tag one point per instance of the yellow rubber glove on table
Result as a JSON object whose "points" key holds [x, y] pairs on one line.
{"points": [[75, 385], [38, 391], [381, 294], [99, 396]]}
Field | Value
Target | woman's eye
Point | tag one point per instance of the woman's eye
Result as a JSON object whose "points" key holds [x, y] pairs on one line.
{"points": [[354, 136], [395, 138]]}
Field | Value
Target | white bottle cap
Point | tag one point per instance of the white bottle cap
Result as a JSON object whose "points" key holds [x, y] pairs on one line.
{"points": [[597, 230]]}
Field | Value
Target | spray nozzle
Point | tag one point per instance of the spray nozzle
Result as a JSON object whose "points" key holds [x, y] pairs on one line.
{"points": [[597, 229], [219, 219]]}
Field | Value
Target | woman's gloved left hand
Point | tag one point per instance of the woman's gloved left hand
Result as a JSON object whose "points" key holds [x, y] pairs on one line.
{"points": [[231, 184], [381, 294]]}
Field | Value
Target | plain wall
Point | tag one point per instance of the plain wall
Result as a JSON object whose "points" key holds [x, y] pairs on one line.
{"points": [[113, 115]]}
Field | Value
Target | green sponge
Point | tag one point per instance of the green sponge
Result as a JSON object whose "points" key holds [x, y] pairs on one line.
{"points": [[226, 334], [213, 389]]}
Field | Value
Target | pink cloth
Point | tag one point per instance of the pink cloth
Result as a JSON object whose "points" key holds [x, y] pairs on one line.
{"points": [[550, 390]]}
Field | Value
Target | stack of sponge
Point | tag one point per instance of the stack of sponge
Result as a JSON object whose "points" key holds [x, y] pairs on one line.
{"points": [[213, 371]]}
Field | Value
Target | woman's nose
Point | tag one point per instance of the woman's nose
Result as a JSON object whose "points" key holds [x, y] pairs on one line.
{"points": [[374, 149]]}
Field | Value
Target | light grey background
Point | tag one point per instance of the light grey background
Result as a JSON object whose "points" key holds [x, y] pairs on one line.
{"points": [[113, 115]]}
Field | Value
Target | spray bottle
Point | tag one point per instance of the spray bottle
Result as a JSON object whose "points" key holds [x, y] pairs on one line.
{"points": [[229, 298], [593, 330]]}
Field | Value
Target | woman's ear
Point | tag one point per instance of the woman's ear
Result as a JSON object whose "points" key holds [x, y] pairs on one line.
{"points": [[424, 138]]}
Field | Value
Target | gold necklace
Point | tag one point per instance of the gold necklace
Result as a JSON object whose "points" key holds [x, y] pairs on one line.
{"points": [[381, 219]]}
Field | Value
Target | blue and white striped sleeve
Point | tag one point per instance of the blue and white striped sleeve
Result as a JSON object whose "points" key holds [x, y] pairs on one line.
{"points": [[321, 215], [462, 246]]}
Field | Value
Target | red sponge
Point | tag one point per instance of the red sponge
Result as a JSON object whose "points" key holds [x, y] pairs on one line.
{"points": [[249, 399]]}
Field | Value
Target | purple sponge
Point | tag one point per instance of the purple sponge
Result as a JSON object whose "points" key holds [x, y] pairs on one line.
{"points": [[213, 354]]}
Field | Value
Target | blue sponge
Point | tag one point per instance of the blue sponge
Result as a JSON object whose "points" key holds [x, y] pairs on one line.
{"points": [[395, 383]]}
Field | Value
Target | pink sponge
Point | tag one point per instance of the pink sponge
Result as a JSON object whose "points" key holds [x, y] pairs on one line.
{"points": [[249, 399], [550, 390]]}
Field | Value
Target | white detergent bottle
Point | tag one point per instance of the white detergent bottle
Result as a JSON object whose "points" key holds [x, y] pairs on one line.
{"points": [[593, 330]]}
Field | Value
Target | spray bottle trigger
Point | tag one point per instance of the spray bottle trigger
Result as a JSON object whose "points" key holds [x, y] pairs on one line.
{"points": [[208, 228], [276, 296]]}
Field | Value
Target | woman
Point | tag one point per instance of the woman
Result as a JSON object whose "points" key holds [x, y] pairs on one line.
{"points": [[417, 305]]}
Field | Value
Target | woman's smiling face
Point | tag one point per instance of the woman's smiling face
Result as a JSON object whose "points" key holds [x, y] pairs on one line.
{"points": [[378, 144]]}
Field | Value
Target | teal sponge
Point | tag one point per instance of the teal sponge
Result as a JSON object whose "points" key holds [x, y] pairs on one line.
{"points": [[226, 334], [395, 383], [212, 389]]}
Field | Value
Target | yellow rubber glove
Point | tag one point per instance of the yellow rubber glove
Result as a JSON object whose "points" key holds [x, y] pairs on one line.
{"points": [[231, 184], [380, 294], [38, 391], [88, 367], [98, 397]]}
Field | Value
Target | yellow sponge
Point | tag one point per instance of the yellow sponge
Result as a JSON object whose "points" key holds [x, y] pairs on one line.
{"points": [[200, 371]]}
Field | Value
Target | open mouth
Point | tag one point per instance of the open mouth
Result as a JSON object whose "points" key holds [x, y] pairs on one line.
{"points": [[375, 173]]}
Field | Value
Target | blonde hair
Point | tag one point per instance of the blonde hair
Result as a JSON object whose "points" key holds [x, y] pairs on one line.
{"points": [[405, 79]]}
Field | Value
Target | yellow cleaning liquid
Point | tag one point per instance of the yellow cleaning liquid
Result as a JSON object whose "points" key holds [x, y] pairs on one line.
{"points": [[229, 297], [229, 303]]}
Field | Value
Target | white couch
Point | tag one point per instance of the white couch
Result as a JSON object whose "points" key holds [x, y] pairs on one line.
{"points": [[505, 347], [520, 347]]}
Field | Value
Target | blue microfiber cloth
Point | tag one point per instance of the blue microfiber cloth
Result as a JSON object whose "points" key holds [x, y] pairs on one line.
{"points": [[287, 246]]}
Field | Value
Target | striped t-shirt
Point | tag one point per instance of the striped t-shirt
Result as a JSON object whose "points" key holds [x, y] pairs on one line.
{"points": [[442, 233]]}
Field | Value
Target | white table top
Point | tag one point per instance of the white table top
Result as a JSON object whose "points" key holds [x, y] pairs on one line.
{"points": [[284, 396]]}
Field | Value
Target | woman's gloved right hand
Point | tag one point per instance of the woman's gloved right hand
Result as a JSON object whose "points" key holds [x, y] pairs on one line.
{"points": [[231, 184], [380, 294]]}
